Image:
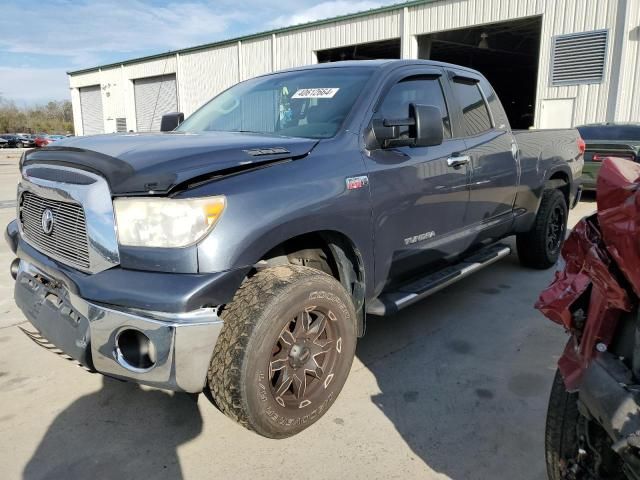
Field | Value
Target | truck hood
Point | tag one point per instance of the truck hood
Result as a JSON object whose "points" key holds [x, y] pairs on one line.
{"points": [[158, 162]]}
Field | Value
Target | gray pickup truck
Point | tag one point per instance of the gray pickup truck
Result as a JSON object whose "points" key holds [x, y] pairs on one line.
{"points": [[239, 252]]}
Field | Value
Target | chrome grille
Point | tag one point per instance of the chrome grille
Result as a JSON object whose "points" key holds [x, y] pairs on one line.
{"points": [[67, 241]]}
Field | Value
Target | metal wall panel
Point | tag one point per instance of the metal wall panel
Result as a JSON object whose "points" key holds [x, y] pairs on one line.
{"points": [[298, 47], [154, 96], [91, 108], [204, 74], [255, 57], [449, 15], [573, 16], [151, 68], [628, 101]]}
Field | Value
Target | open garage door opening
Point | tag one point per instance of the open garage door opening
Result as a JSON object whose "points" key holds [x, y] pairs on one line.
{"points": [[506, 53], [361, 51]]}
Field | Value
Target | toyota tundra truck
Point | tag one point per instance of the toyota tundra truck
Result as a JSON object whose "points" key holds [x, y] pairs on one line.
{"points": [[238, 252]]}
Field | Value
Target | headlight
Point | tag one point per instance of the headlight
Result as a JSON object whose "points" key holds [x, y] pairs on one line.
{"points": [[166, 222]]}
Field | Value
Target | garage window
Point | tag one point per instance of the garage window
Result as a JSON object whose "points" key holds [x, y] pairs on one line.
{"points": [[475, 112]]}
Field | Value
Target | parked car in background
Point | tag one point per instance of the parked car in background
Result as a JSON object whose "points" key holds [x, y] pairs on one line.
{"points": [[25, 140], [3, 143], [41, 140], [12, 140], [603, 140]]}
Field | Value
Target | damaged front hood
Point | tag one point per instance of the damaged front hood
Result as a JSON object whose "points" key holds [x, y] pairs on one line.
{"points": [[601, 275], [157, 162]]}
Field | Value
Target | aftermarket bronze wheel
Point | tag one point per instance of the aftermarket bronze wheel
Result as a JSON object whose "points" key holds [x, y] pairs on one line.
{"points": [[285, 350]]}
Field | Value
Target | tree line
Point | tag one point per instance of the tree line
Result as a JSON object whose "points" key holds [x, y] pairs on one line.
{"points": [[52, 117]]}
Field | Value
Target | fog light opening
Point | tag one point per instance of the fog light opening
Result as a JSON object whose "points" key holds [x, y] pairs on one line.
{"points": [[135, 351], [15, 266]]}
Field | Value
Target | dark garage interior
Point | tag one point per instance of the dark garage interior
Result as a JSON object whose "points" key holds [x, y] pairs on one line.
{"points": [[506, 53], [362, 51]]}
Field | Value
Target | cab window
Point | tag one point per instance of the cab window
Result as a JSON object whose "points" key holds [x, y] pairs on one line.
{"points": [[420, 90], [475, 112]]}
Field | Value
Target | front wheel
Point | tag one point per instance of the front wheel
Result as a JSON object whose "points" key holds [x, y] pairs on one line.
{"points": [[575, 447], [540, 247], [285, 350]]}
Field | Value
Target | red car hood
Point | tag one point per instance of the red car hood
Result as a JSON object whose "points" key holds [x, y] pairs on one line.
{"points": [[602, 252]]}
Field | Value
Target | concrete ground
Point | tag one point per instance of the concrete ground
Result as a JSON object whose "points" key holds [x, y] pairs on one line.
{"points": [[453, 387]]}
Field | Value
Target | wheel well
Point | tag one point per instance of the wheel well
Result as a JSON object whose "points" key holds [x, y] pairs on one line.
{"points": [[330, 252], [560, 181]]}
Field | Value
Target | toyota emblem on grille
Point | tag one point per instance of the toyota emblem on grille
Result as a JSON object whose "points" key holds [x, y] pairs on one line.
{"points": [[47, 221]]}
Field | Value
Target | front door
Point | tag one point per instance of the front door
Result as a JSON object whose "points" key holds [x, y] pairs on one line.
{"points": [[419, 201]]}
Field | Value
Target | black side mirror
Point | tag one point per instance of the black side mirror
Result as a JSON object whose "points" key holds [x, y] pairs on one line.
{"points": [[425, 128], [429, 129], [170, 121]]}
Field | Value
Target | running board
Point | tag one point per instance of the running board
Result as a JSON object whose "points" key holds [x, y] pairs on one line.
{"points": [[391, 302]]}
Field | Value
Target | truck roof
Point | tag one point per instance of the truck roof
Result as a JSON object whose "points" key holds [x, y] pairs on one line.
{"points": [[381, 64]]}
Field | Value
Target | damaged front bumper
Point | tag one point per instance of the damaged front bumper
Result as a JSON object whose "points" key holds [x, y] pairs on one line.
{"points": [[170, 351]]}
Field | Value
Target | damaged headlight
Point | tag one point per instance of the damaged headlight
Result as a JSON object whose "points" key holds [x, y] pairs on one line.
{"points": [[166, 222]]}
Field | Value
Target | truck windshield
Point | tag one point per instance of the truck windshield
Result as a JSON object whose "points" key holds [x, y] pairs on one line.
{"points": [[307, 103]]}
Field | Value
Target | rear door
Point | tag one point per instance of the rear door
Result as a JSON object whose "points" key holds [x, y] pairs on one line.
{"points": [[491, 152], [419, 201]]}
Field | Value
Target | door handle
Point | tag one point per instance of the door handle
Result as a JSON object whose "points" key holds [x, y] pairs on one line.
{"points": [[458, 161]]}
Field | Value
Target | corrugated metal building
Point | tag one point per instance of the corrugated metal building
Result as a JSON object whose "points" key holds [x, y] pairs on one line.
{"points": [[554, 63]]}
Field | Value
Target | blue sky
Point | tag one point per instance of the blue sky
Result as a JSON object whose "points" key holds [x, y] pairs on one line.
{"points": [[41, 40]]}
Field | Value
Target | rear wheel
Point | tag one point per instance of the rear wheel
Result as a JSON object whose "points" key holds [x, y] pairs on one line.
{"points": [[285, 350], [540, 247]]}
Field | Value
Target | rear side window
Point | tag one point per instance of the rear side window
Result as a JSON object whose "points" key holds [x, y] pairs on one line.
{"points": [[475, 112], [420, 90]]}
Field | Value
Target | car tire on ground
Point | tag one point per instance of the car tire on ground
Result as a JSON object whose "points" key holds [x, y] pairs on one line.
{"points": [[285, 350], [568, 451], [540, 247]]}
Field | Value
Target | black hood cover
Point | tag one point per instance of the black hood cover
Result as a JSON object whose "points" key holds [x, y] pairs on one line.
{"points": [[157, 162]]}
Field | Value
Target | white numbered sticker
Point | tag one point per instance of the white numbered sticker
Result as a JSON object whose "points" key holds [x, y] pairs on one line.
{"points": [[315, 93]]}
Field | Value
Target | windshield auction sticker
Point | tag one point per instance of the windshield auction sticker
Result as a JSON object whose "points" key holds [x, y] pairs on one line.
{"points": [[315, 93]]}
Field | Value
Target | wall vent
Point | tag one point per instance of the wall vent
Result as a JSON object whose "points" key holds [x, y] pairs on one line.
{"points": [[579, 58], [121, 125]]}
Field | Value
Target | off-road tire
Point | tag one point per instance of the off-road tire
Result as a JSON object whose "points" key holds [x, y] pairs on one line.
{"points": [[239, 374], [533, 248]]}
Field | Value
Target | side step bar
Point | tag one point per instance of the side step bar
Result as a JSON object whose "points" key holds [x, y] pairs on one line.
{"points": [[391, 302]]}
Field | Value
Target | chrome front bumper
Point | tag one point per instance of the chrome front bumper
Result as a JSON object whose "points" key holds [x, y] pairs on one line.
{"points": [[182, 342]]}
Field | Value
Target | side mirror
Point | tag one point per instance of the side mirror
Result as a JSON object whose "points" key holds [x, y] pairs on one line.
{"points": [[170, 121], [425, 128], [428, 125]]}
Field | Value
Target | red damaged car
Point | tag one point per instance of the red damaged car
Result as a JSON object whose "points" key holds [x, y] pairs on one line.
{"points": [[593, 419]]}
